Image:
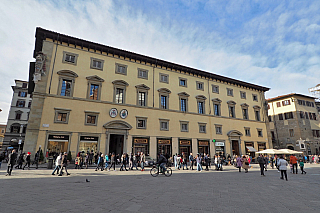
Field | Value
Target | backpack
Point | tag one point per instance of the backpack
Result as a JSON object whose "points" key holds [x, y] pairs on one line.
{"points": [[107, 158]]}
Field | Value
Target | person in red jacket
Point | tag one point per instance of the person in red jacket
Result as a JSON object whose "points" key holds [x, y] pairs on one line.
{"points": [[293, 161]]}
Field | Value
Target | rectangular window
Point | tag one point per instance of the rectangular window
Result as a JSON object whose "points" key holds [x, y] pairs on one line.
{"points": [[15, 129], [215, 89], [141, 123], [301, 114], [142, 98], [200, 85], [183, 82], [268, 106], [164, 102], [29, 104], [142, 73], [66, 87], [247, 131], [245, 113], [164, 78], [272, 135], [24, 85], [278, 104], [218, 130], [254, 97], [91, 119], [229, 92], [22, 94], [96, 64], [312, 104], [21, 103], [291, 132], [62, 117], [94, 91], [119, 95], [257, 114], [310, 116], [269, 118], [286, 102], [184, 126], [183, 105], [259, 133], [307, 116], [200, 107], [314, 116], [288, 115], [121, 69], [308, 103], [280, 116], [243, 95], [18, 116], [231, 112], [70, 58], [202, 128], [216, 109], [164, 125]]}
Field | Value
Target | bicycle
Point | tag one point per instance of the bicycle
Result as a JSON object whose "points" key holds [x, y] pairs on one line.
{"points": [[155, 171]]}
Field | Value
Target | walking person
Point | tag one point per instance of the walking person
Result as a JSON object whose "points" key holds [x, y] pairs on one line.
{"points": [[134, 161], [239, 163], [261, 164], [64, 164], [100, 162], [113, 162], [293, 161], [142, 159], [184, 161], [266, 162], [107, 160], [245, 163], [86, 160], [178, 162], [191, 160], [272, 162], [199, 167], [11, 161], [301, 167], [36, 159], [124, 162], [131, 161], [58, 164], [28, 161], [175, 161], [20, 161], [1, 158], [206, 161], [283, 168]]}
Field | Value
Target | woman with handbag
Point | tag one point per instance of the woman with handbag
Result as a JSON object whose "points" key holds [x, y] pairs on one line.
{"points": [[239, 163], [245, 164]]}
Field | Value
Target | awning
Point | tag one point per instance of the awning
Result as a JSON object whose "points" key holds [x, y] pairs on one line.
{"points": [[251, 149]]}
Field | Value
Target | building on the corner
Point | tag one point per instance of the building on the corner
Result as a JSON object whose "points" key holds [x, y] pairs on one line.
{"points": [[18, 116], [2, 131], [294, 123], [88, 96]]}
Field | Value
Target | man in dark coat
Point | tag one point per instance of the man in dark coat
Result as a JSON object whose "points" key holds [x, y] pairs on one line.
{"points": [[261, 162], [11, 162]]}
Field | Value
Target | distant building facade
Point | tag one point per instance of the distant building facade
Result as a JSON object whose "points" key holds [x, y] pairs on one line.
{"points": [[18, 116], [294, 123], [92, 97], [2, 131]]}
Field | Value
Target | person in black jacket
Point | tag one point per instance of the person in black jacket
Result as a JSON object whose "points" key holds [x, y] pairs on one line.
{"points": [[162, 162], [261, 162], [28, 160], [11, 161], [64, 164]]}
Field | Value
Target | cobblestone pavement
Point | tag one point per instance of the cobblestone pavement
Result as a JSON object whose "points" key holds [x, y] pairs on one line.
{"points": [[136, 191]]}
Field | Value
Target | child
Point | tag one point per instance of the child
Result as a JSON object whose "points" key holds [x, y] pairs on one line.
{"points": [[291, 168], [301, 167]]}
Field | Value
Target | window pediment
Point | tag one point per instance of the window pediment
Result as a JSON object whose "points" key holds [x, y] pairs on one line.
{"points": [[217, 100], [234, 133], [201, 97], [183, 94], [244, 105], [117, 124], [256, 107], [120, 82], [67, 73], [95, 78], [142, 86], [231, 103], [164, 90]]}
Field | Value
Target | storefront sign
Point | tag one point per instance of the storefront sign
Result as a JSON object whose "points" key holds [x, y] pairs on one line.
{"points": [[89, 138], [184, 142], [164, 142], [219, 143], [141, 141], [203, 143], [113, 112], [59, 137], [123, 113]]}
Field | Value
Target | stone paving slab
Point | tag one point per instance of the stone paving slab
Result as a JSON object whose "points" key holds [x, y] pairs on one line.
{"points": [[136, 191]]}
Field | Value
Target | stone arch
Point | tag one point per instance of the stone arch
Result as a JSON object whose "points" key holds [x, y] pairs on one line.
{"points": [[234, 133], [117, 124]]}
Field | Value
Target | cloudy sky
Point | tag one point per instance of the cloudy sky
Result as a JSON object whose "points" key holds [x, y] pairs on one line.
{"points": [[270, 43]]}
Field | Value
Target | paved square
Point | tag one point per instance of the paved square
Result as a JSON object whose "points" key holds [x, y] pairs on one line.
{"points": [[136, 191]]}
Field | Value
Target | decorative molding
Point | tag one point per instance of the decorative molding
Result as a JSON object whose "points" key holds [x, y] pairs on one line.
{"points": [[95, 78], [67, 73]]}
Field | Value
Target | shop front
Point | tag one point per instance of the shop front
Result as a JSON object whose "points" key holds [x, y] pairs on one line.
{"points": [[185, 146], [220, 148], [57, 144], [203, 147], [88, 144], [164, 147], [261, 146], [250, 150], [141, 145]]}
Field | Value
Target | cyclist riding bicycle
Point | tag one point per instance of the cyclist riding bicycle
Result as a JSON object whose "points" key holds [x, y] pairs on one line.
{"points": [[162, 162]]}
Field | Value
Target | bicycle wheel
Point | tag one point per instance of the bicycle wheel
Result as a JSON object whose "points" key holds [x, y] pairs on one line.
{"points": [[154, 172], [168, 172]]}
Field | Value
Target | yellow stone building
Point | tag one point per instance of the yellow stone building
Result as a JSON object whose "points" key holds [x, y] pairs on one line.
{"points": [[88, 96]]}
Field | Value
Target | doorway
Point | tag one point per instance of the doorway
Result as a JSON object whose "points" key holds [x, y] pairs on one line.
{"points": [[235, 147], [116, 144]]}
